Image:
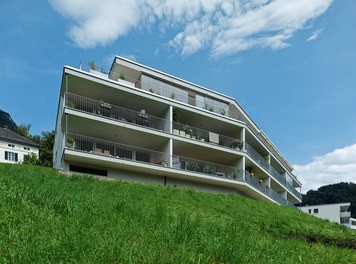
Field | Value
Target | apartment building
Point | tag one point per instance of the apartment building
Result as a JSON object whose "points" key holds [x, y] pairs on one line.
{"points": [[140, 124], [14, 147], [338, 213]]}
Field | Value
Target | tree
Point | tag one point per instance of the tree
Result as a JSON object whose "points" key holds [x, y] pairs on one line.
{"points": [[45, 140], [46, 148], [24, 130]]}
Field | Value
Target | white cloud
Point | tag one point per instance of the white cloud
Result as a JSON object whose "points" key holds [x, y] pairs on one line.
{"points": [[314, 35], [334, 167], [224, 26]]}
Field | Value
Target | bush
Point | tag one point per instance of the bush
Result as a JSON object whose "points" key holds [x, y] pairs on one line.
{"points": [[31, 159]]}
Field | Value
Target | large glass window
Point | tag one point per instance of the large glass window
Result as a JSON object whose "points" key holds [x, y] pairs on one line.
{"points": [[11, 156]]}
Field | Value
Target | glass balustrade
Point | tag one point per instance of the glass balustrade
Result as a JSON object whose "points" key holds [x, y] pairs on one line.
{"points": [[276, 175]]}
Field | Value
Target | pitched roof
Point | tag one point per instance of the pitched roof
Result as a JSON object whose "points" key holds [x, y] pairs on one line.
{"points": [[7, 134]]}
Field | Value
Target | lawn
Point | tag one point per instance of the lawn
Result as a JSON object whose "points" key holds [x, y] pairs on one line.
{"points": [[50, 217]]}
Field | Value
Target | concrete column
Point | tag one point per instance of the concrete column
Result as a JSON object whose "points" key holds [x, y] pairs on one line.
{"points": [[243, 168], [243, 138]]}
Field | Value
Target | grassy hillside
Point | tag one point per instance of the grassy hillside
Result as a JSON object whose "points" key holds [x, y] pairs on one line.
{"points": [[48, 217]]}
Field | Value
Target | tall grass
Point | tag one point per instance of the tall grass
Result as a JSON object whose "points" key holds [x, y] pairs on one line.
{"points": [[49, 217]]}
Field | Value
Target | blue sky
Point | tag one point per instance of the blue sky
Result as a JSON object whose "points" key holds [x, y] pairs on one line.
{"points": [[290, 64]]}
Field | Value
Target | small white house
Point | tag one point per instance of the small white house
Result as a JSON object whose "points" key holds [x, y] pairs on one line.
{"points": [[338, 213], [14, 147]]}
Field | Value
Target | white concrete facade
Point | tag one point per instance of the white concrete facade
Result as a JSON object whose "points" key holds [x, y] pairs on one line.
{"points": [[137, 123], [338, 213]]}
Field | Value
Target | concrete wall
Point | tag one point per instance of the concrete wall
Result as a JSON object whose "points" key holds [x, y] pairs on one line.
{"points": [[131, 176], [325, 211]]}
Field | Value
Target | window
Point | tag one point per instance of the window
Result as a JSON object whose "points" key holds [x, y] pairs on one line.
{"points": [[11, 156], [87, 170], [26, 148], [309, 211], [11, 145], [316, 211]]}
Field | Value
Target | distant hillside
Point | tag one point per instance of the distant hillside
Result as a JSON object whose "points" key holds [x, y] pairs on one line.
{"points": [[6, 120], [333, 193], [47, 217]]}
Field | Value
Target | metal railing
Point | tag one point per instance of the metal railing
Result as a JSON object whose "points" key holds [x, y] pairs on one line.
{"points": [[170, 90], [213, 169], [115, 150], [269, 168], [166, 89], [195, 133], [109, 110], [137, 154]]}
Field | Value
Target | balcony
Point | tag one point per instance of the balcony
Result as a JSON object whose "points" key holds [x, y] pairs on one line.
{"points": [[163, 88], [275, 174], [107, 110], [121, 151], [191, 97], [202, 135]]}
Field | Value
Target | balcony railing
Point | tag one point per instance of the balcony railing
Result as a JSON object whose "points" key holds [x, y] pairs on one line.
{"points": [[195, 133], [108, 110], [171, 91], [345, 214], [255, 182], [269, 168], [122, 151], [166, 89]]}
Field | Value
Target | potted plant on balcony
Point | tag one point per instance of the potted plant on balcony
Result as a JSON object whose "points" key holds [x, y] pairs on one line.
{"points": [[188, 131], [236, 144], [70, 104], [70, 142], [210, 169], [203, 138], [175, 115], [251, 171], [92, 65]]}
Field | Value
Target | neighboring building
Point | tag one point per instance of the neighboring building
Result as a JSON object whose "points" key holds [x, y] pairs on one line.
{"points": [[352, 223], [140, 124], [14, 147], [338, 213]]}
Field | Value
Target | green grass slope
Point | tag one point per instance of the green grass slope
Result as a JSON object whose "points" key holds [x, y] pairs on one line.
{"points": [[46, 217]]}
